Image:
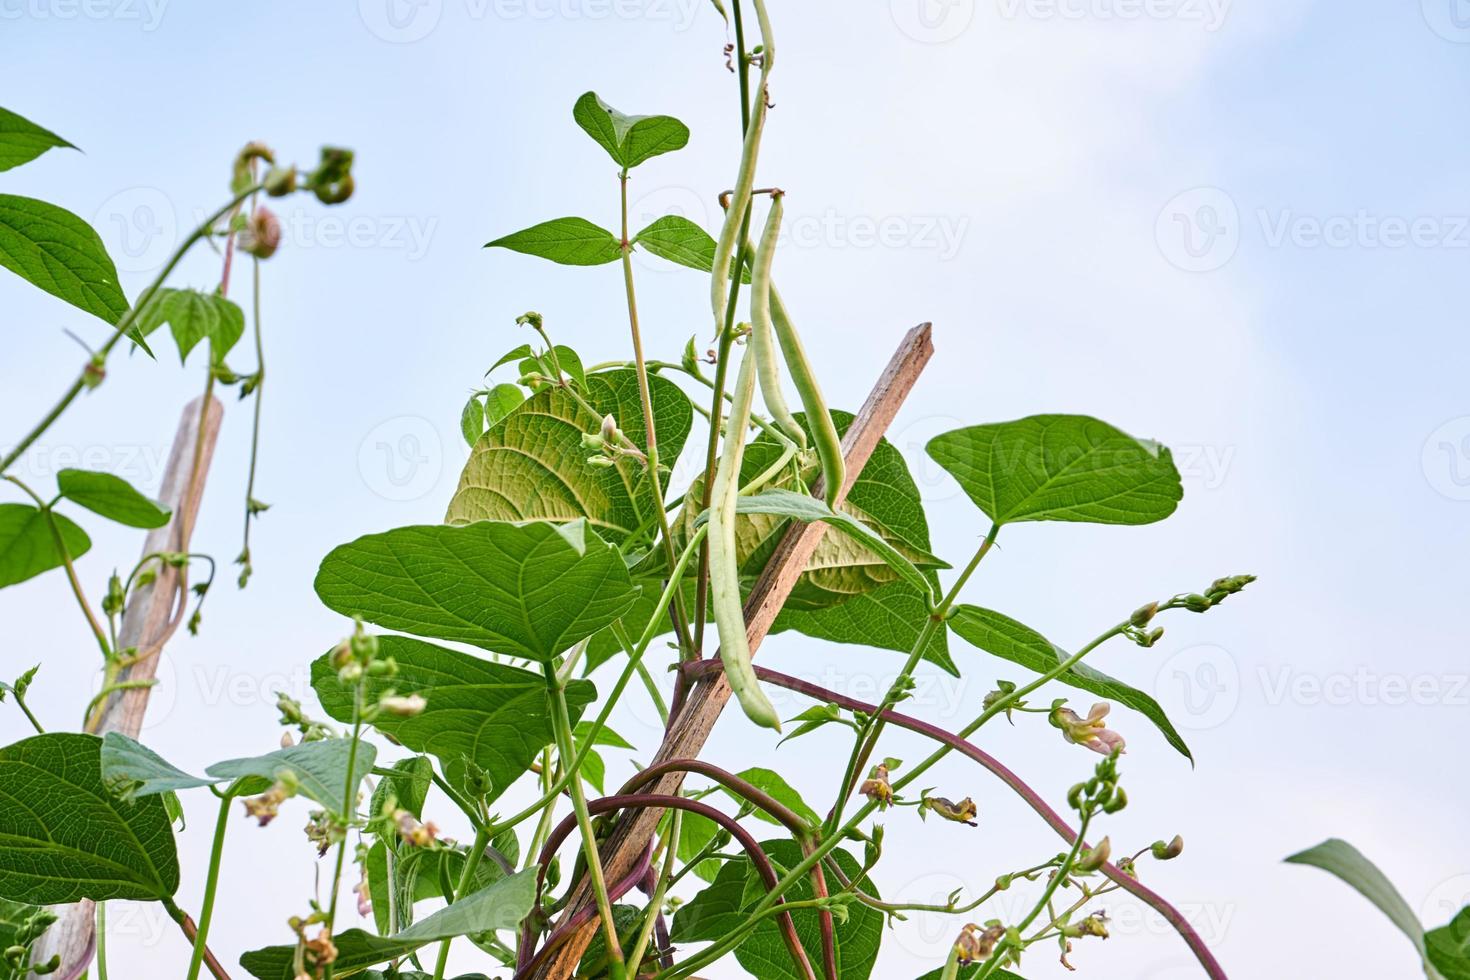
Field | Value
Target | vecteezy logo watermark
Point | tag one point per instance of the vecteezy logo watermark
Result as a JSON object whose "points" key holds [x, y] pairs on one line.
{"points": [[401, 459], [666, 202], [1204, 681], [1199, 229], [1210, 14], [147, 13], [1445, 900], [406, 21], [932, 21], [939, 233], [1446, 459], [1450, 19], [140, 226]]}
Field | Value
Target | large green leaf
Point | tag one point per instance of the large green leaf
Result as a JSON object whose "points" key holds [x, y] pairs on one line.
{"points": [[1449, 947], [60, 253], [888, 618], [531, 465], [28, 545], [319, 769], [500, 906], [996, 633], [21, 140], [679, 240], [193, 316], [132, 770], [1060, 468], [524, 590], [971, 972], [1347, 863], [64, 837], [568, 241], [409, 784], [112, 497], [722, 907], [629, 140], [493, 714], [774, 784]]}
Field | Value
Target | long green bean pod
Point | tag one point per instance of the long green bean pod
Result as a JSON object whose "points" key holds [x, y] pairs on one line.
{"points": [[762, 347], [824, 433], [724, 567], [744, 180]]}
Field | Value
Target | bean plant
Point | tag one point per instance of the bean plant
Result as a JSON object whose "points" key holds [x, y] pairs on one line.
{"points": [[461, 677]]}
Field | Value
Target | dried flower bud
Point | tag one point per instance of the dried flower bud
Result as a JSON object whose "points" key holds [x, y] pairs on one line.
{"points": [[962, 812], [1169, 851], [877, 788], [267, 806], [412, 832], [286, 740], [977, 942], [1094, 858], [1094, 925], [261, 235]]}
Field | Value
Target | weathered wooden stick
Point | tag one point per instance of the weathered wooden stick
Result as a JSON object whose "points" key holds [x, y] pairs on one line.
{"points": [[151, 617], [702, 706]]}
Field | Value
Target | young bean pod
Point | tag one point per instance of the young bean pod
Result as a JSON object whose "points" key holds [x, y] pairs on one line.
{"points": [[762, 347], [744, 180], [724, 568], [824, 433]]}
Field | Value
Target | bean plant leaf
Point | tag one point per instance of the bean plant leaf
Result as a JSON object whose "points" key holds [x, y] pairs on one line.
{"points": [[500, 401], [64, 837], [775, 785], [523, 590], [28, 544], [1347, 863], [502, 905], [971, 972], [565, 361], [532, 466], [493, 714], [679, 240], [192, 316], [472, 419], [409, 784], [112, 497], [1449, 947], [60, 253], [21, 140], [720, 908], [132, 770], [888, 618], [629, 140], [1004, 637], [319, 769], [1060, 468], [567, 241]]}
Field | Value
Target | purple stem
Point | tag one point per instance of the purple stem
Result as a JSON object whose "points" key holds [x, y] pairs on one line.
{"points": [[660, 801], [1129, 884]]}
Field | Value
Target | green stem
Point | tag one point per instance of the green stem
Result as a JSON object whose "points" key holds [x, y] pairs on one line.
{"points": [[101, 941], [466, 877], [349, 809], [561, 723], [656, 900], [255, 424], [872, 728], [738, 936], [121, 327], [211, 885]]}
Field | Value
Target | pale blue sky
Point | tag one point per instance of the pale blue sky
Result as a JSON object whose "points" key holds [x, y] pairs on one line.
{"points": [[1237, 227]]}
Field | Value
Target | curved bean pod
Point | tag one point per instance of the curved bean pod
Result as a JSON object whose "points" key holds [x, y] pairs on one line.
{"points": [[762, 347], [724, 569], [824, 433]]}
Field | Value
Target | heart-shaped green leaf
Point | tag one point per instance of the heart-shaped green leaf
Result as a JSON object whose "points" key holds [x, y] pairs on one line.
{"points": [[318, 769], [523, 590], [679, 240], [629, 140], [59, 252], [493, 714], [567, 241], [132, 770], [21, 140], [112, 497], [1060, 468], [1449, 947], [28, 545], [532, 466], [719, 909], [193, 316], [64, 837], [500, 906], [1020, 644]]}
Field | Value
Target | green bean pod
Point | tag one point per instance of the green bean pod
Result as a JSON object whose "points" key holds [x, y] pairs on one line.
{"points": [[762, 347], [724, 568], [824, 433], [744, 181]]}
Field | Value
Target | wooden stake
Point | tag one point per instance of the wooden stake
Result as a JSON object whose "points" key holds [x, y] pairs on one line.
{"points": [[705, 700], [151, 617]]}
